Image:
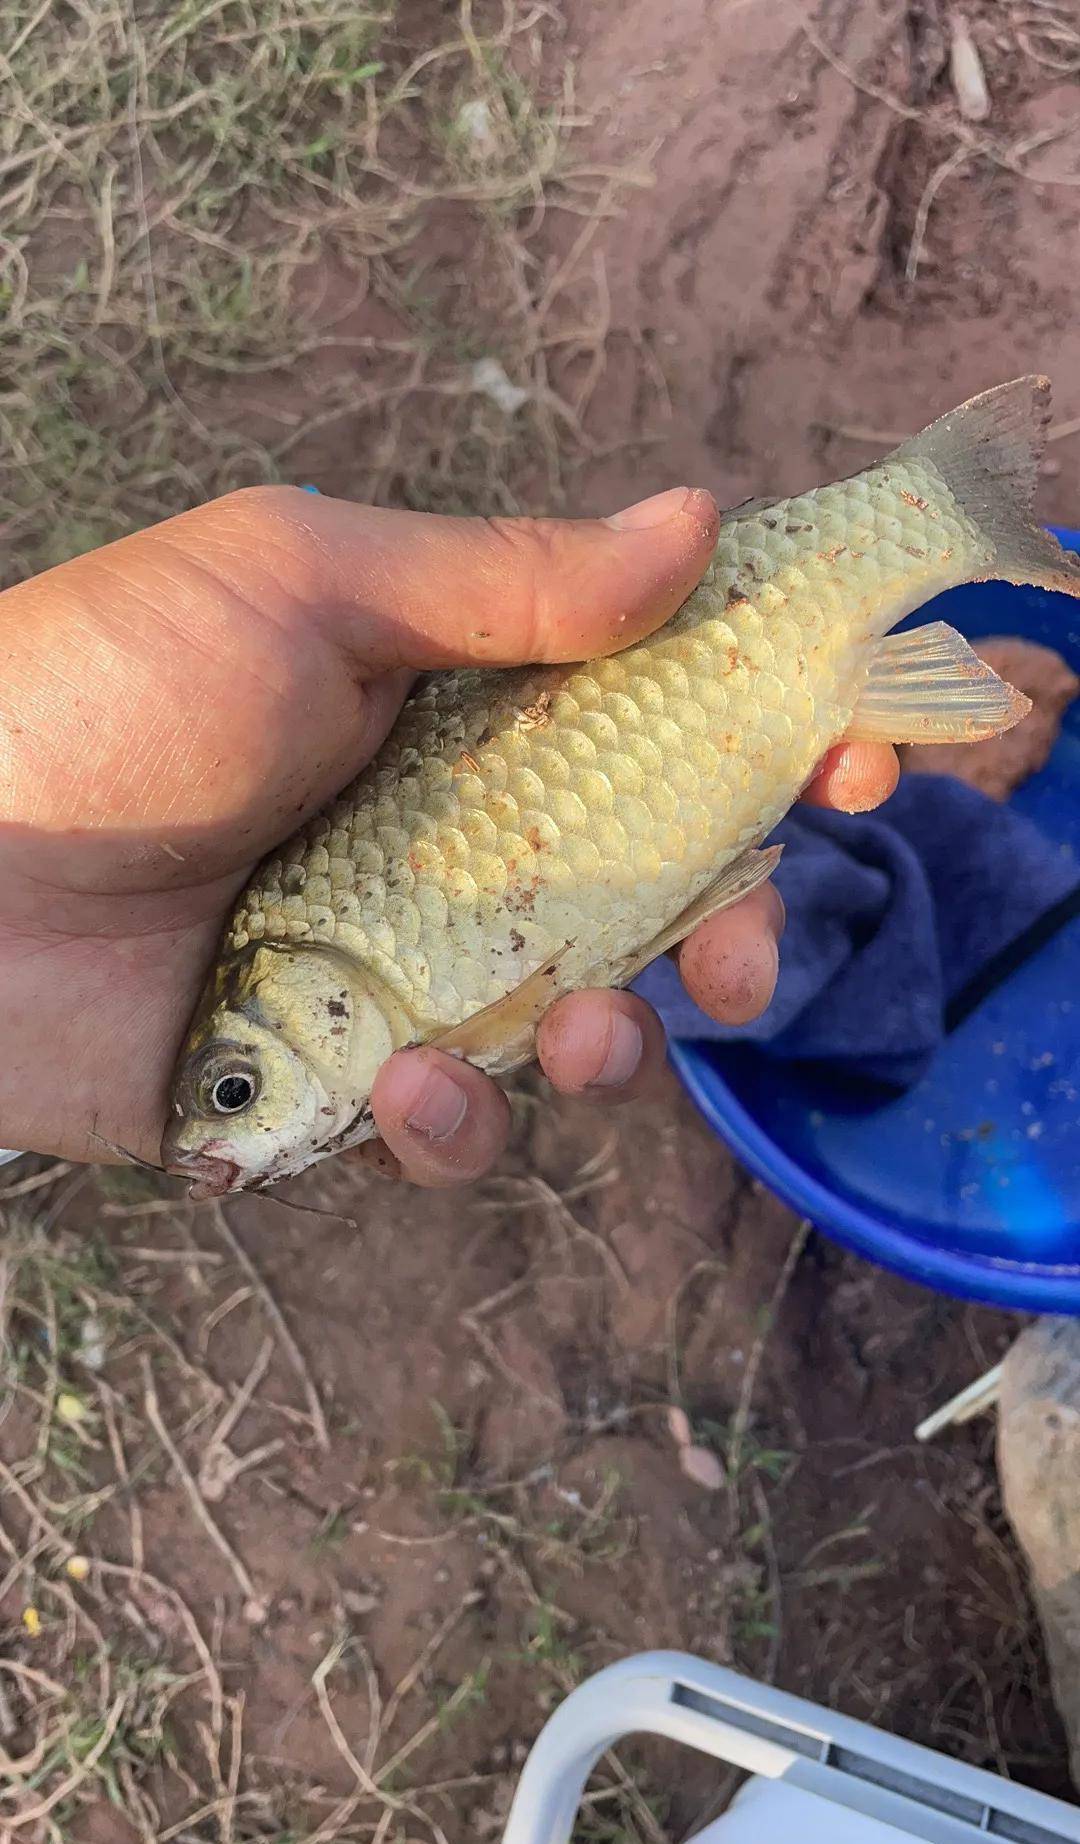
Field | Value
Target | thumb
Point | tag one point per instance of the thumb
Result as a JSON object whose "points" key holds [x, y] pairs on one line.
{"points": [[421, 591]]}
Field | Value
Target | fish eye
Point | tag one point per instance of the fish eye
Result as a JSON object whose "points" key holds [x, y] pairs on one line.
{"points": [[233, 1092], [225, 1082]]}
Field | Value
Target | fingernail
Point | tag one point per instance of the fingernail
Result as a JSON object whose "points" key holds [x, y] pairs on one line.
{"points": [[623, 1054], [650, 512], [439, 1106]]}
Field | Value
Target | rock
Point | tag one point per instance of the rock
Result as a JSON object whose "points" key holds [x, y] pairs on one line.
{"points": [[1039, 1467]]}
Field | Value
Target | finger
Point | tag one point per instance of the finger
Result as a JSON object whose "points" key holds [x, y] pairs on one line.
{"points": [[416, 590], [855, 777], [375, 1156], [445, 1121], [603, 1046], [730, 963]]}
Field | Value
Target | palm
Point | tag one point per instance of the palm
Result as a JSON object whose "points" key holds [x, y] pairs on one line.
{"points": [[206, 725]]}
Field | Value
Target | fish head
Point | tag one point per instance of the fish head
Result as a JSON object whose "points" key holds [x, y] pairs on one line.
{"points": [[277, 1068]]}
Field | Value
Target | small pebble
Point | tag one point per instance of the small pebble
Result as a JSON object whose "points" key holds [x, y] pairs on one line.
{"points": [[703, 1467], [966, 71], [678, 1422], [359, 1604]]}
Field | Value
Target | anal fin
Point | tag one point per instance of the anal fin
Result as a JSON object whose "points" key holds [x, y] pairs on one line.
{"points": [[929, 686], [736, 880]]}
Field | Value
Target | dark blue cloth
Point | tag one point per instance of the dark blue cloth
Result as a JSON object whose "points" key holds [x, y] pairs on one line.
{"points": [[889, 916]]}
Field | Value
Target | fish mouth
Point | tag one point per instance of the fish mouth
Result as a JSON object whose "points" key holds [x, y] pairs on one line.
{"points": [[214, 1177]]}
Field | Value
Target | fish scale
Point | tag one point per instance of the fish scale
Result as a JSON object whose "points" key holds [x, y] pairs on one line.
{"points": [[521, 834], [511, 812]]}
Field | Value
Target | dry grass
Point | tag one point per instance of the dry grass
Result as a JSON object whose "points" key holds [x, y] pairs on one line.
{"points": [[90, 1688], [1030, 43], [231, 251], [241, 243], [111, 1684], [141, 1616], [116, 1694]]}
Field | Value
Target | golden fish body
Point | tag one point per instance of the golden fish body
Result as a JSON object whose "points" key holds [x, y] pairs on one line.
{"points": [[511, 813], [529, 832]]}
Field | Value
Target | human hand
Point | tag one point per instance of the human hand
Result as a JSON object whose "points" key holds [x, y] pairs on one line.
{"points": [[174, 705]]}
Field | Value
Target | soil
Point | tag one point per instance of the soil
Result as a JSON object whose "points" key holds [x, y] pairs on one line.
{"points": [[498, 1366], [497, 1371]]}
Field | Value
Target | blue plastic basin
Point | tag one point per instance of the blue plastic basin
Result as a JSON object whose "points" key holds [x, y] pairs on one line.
{"points": [[970, 1182]]}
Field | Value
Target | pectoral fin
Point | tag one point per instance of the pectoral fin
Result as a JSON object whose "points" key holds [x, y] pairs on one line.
{"points": [[735, 881], [500, 1037], [928, 686]]}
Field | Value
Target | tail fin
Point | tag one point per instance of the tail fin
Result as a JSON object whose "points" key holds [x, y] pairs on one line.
{"points": [[988, 453]]}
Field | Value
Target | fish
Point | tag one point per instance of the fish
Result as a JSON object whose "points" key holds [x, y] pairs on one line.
{"points": [[524, 833]]}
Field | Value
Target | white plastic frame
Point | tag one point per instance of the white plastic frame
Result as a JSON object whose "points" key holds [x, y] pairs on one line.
{"points": [[924, 1795]]}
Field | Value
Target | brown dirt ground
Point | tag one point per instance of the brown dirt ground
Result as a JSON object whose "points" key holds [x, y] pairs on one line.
{"points": [[500, 1498]]}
